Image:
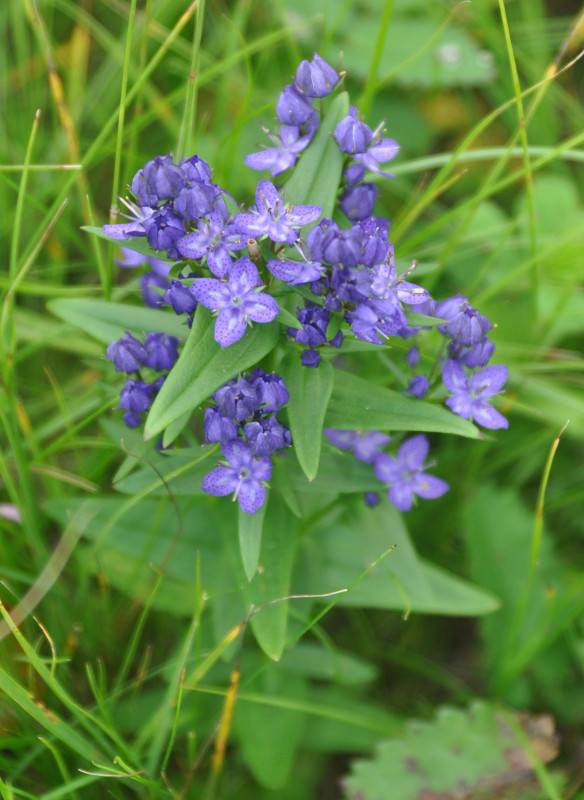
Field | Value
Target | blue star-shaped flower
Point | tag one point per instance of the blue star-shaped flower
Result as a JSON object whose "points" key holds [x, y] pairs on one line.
{"points": [[405, 474], [274, 219], [242, 476]]}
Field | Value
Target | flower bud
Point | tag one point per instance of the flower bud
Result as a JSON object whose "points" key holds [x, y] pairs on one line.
{"points": [[358, 202], [315, 78], [352, 135], [292, 108]]}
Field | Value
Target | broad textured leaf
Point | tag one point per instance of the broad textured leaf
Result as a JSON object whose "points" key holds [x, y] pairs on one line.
{"points": [[139, 243], [357, 404], [402, 581], [310, 391], [250, 538], [459, 754], [315, 180], [109, 321], [203, 367]]}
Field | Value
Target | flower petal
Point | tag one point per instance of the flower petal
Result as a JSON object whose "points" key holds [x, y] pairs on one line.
{"points": [[230, 326], [302, 215], [267, 197], [211, 293], [401, 495], [454, 377], [428, 486], [261, 308], [220, 481], [488, 417], [243, 276], [219, 261], [413, 451], [251, 496]]}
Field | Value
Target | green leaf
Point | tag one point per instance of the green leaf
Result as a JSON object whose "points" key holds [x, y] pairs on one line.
{"points": [[110, 321], [481, 749], [250, 539], [402, 581], [139, 244], [272, 581], [288, 319], [310, 391], [357, 404], [316, 179], [203, 367]]}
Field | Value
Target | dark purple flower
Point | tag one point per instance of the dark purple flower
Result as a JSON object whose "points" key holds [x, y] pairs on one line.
{"points": [[265, 436], [128, 353], [237, 399], [242, 476], [132, 419], [274, 219], [214, 239], [364, 444], [159, 179], [340, 245], [470, 395], [376, 318], [180, 298], [163, 229], [352, 135], [195, 200], [310, 358], [371, 499], [387, 285], [358, 201], [405, 474], [292, 108], [137, 396], [314, 320], [196, 169], [271, 390], [315, 78], [464, 324], [413, 357], [375, 246], [161, 351], [135, 227], [149, 282], [287, 147], [237, 300], [218, 428], [418, 386], [476, 356]]}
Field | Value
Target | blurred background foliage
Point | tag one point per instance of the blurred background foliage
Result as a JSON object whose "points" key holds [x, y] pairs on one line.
{"points": [[503, 226]]}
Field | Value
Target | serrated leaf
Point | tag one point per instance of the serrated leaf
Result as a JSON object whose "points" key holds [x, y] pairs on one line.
{"points": [[357, 404], [107, 322], [479, 751], [250, 538], [139, 244], [316, 178], [310, 391], [204, 366]]}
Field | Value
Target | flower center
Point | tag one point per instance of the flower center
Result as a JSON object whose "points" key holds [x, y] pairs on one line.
{"points": [[243, 473], [236, 300]]}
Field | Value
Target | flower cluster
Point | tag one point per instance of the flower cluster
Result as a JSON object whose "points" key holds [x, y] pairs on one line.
{"points": [[243, 420], [403, 474], [158, 353], [245, 264]]}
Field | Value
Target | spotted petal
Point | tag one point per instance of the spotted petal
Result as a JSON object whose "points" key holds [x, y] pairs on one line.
{"points": [[211, 293], [220, 481], [230, 326], [251, 496], [261, 308]]}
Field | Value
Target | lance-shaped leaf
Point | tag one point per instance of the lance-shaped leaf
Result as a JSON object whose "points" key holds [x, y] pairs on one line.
{"points": [[310, 391], [250, 528], [357, 404], [203, 367]]}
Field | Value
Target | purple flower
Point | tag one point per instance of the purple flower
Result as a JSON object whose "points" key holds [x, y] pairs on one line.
{"points": [[163, 229], [237, 399], [180, 298], [358, 201], [371, 499], [195, 200], [237, 300], [405, 474], [135, 227], [149, 282], [413, 357], [470, 395], [418, 386], [271, 390], [242, 476], [292, 108], [315, 78], [274, 219], [377, 154], [288, 145], [196, 168], [161, 351], [314, 320], [476, 356], [310, 358], [464, 324], [128, 353], [365, 445], [137, 396], [159, 179], [295, 273], [265, 436], [218, 428], [387, 285], [214, 239], [352, 135]]}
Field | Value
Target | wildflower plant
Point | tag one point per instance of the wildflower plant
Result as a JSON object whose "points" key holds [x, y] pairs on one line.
{"points": [[277, 302]]}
